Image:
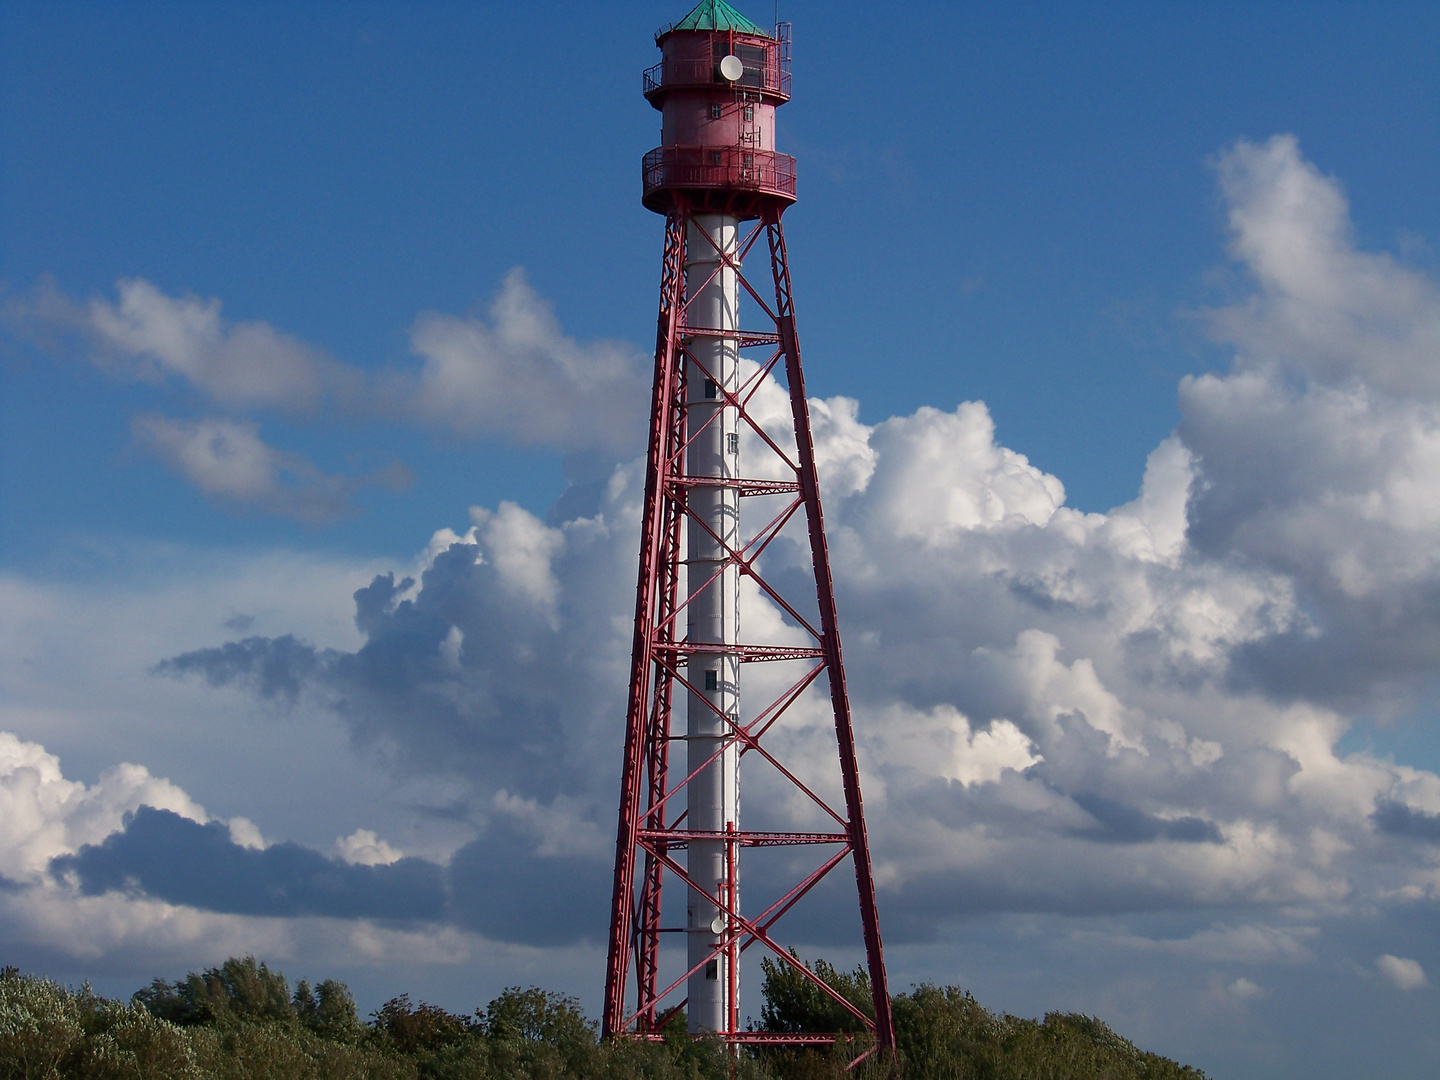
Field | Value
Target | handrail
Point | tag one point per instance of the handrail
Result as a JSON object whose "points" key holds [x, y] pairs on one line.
{"points": [[673, 73], [719, 167]]}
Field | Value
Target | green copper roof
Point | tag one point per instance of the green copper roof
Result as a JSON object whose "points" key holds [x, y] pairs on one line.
{"points": [[717, 15]]}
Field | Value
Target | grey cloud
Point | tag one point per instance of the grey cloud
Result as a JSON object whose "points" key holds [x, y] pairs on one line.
{"points": [[1187, 663], [148, 336], [1316, 454], [1183, 662], [514, 375], [505, 884], [507, 890], [1323, 308], [166, 856], [1397, 819], [270, 667], [229, 462], [518, 375], [1330, 490], [486, 670], [1126, 824]]}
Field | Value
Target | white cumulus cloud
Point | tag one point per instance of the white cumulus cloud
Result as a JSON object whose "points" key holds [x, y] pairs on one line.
{"points": [[364, 848], [43, 815], [1323, 308], [239, 365], [1402, 973], [1137, 714], [1061, 711], [228, 460], [518, 375]]}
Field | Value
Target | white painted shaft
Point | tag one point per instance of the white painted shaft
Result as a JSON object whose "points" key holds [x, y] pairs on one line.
{"points": [[713, 803]]}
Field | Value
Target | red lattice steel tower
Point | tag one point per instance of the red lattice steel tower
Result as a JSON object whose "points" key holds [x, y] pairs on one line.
{"points": [[722, 187]]}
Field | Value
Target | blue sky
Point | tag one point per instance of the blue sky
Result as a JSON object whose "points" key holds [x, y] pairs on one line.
{"points": [[1079, 216]]}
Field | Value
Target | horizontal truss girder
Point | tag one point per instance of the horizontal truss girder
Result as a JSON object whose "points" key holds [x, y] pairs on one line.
{"points": [[748, 654], [678, 837], [773, 1038], [744, 339], [744, 486]]}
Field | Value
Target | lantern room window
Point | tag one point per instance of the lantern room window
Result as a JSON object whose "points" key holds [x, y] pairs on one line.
{"points": [[755, 58]]}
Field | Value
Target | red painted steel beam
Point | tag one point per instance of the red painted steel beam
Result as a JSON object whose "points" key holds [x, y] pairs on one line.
{"points": [[745, 837], [764, 938], [749, 654], [661, 407], [829, 622]]}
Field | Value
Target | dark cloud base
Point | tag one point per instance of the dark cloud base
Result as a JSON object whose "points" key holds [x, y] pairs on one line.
{"points": [[501, 887], [1124, 824], [1397, 819], [496, 885], [172, 858]]}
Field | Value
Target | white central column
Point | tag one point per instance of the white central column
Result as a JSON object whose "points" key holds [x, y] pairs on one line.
{"points": [[713, 802]]}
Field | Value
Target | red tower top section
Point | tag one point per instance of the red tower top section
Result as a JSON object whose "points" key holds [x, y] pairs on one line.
{"points": [[717, 86]]}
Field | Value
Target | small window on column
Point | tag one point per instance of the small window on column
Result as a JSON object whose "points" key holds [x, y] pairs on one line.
{"points": [[749, 112], [712, 970], [711, 390], [732, 442], [712, 679], [716, 110]]}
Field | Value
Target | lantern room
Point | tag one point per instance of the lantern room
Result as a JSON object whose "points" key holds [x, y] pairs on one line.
{"points": [[717, 85]]}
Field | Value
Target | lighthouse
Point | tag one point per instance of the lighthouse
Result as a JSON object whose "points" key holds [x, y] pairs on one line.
{"points": [[722, 188]]}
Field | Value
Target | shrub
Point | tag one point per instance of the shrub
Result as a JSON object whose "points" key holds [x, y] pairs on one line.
{"points": [[276, 1052], [793, 1003], [240, 988], [39, 1027], [239, 1022], [127, 1042], [945, 1034], [411, 1029], [328, 1011]]}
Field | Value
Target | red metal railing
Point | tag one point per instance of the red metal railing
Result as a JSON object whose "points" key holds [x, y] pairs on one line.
{"points": [[670, 74], [732, 167]]}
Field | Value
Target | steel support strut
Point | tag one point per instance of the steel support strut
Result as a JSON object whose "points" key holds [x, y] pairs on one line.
{"points": [[652, 818], [662, 411], [830, 633]]}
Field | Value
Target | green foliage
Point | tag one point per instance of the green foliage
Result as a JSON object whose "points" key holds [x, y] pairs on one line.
{"points": [[328, 1011], [40, 1026], [528, 1026], [240, 1022], [126, 1042], [536, 1015], [413, 1029], [238, 989], [945, 1034], [288, 1052], [47, 1031], [793, 1003]]}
